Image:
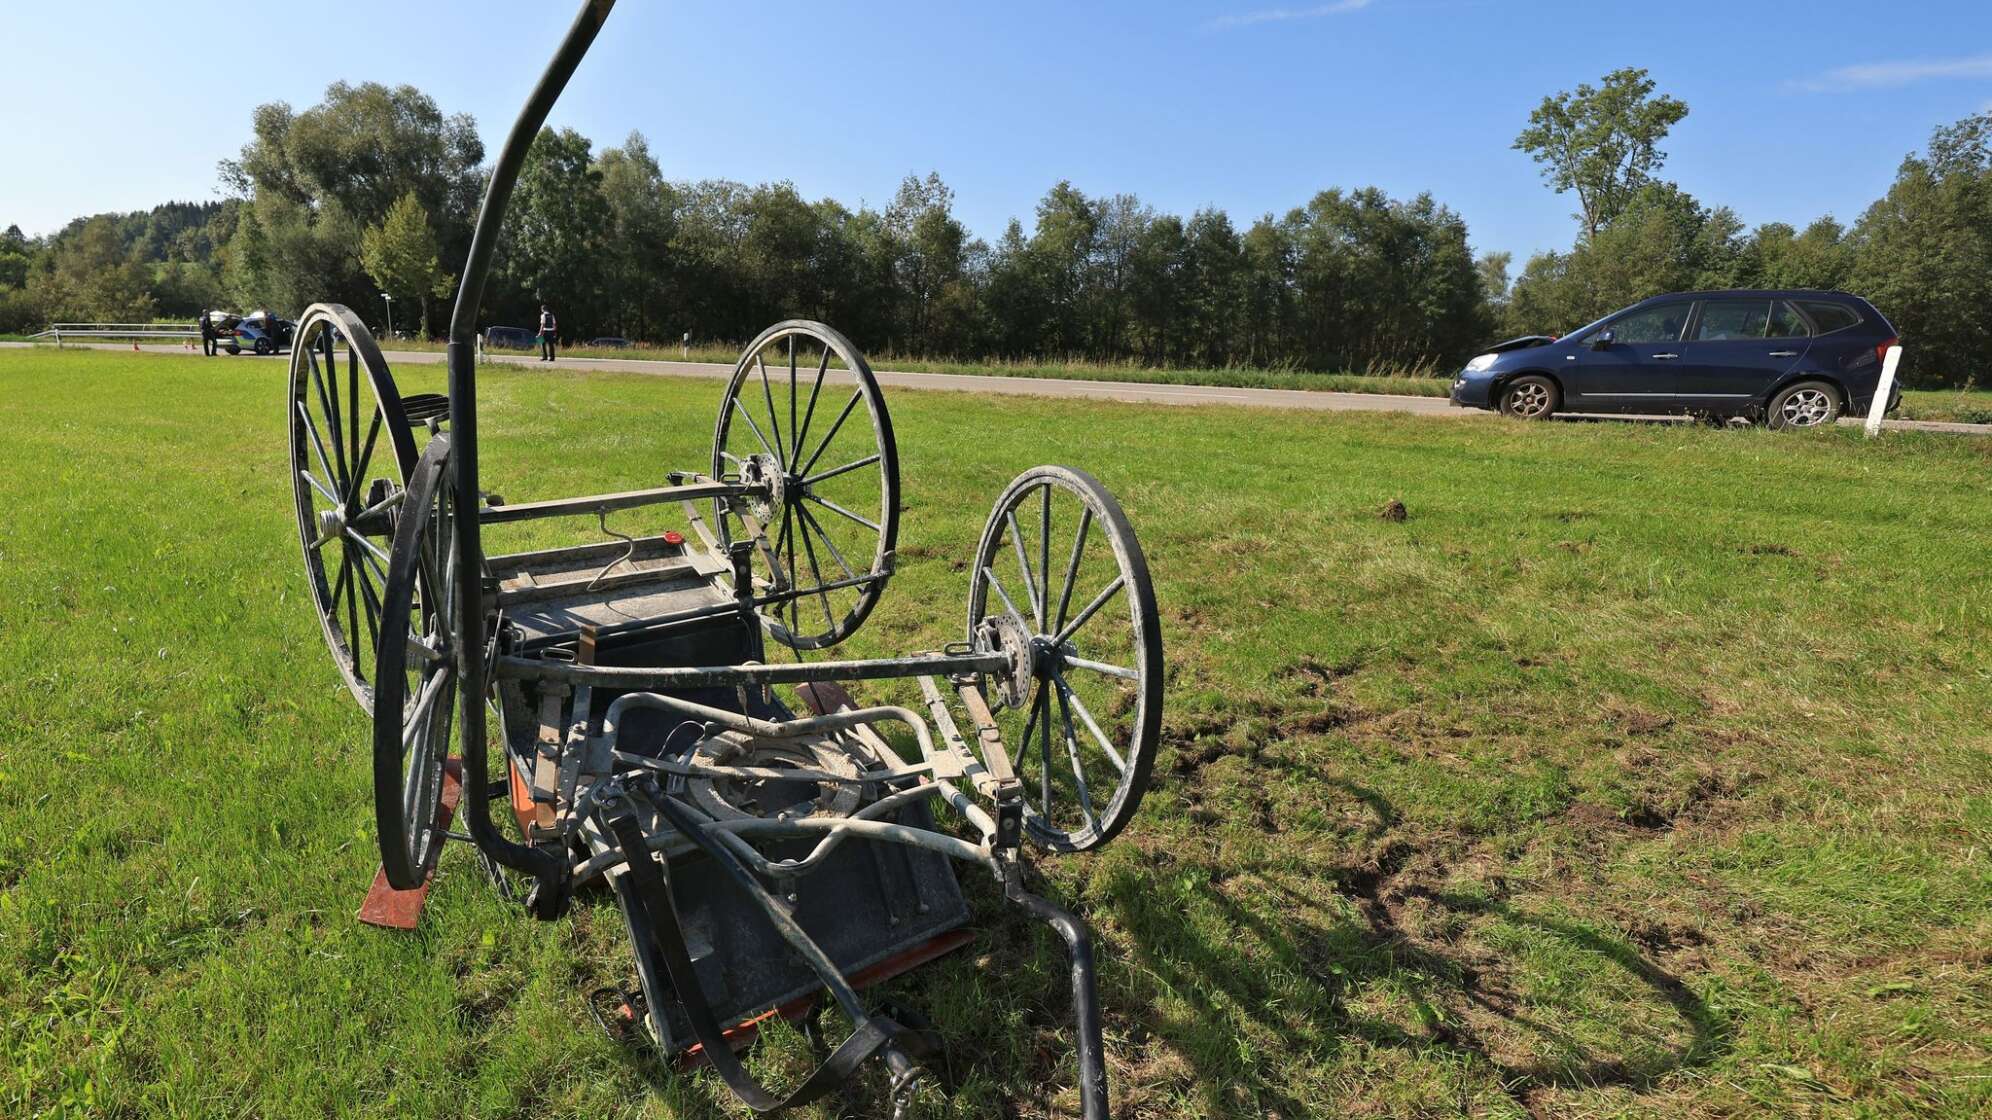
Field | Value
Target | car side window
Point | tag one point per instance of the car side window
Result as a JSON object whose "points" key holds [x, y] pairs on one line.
{"points": [[1732, 320], [1661, 323], [1785, 322], [1828, 317]]}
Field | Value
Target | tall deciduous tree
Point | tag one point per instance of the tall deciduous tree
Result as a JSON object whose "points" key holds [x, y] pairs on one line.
{"points": [[400, 255], [1602, 143], [556, 222]]}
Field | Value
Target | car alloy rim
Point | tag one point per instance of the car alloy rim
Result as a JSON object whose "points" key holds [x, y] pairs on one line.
{"points": [[1806, 408], [1531, 399]]}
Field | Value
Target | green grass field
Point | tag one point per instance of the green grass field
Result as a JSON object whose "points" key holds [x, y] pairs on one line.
{"points": [[1641, 772]]}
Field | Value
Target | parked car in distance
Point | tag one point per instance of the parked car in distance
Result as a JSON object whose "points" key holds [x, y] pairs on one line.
{"points": [[609, 343], [260, 331], [1794, 359], [510, 338]]}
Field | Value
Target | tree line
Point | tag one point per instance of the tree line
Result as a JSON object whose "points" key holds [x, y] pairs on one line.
{"points": [[373, 191]]}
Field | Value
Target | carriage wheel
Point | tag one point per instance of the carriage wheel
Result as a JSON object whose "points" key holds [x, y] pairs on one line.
{"points": [[350, 449], [1061, 584], [827, 526], [415, 695]]}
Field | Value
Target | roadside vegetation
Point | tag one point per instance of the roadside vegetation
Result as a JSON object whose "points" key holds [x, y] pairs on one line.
{"points": [[1639, 772], [1347, 279]]}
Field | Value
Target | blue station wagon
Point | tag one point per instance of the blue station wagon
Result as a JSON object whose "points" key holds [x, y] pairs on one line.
{"points": [[1794, 359]]}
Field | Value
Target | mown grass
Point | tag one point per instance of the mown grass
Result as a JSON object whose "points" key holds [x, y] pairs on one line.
{"points": [[1640, 772]]}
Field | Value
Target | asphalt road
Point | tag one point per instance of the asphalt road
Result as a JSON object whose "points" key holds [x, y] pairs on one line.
{"points": [[1130, 391]]}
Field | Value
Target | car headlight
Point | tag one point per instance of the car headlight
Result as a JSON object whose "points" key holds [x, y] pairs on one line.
{"points": [[1484, 361]]}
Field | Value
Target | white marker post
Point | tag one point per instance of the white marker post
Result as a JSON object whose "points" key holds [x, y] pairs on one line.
{"points": [[1883, 390]]}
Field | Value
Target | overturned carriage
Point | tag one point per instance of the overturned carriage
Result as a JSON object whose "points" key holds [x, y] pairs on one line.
{"points": [[666, 719]]}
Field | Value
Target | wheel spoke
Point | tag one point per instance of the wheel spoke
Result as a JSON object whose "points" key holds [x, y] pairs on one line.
{"points": [[1044, 753], [1036, 704], [1024, 565], [418, 716], [809, 550], [833, 472], [353, 414], [371, 610], [328, 396], [372, 550], [1066, 694], [756, 428], [833, 507], [382, 506], [792, 421], [809, 413], [827, 542], [318, 445], [990, 574], [1072, 569], [1099, 601], [1078, 772], [1044, 558], [339, 589], [365, 457], [774, 422], [320, 487], [353, 614], [834, 428], [1122, 672]]}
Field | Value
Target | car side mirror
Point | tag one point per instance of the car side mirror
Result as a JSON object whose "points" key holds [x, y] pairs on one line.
{"points": [[1602, 339]]}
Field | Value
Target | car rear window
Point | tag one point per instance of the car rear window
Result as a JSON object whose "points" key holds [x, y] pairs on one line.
{"points": [[1828, 317], [1785, 322]]}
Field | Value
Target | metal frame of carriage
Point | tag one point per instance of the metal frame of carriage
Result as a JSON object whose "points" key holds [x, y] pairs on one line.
{"points": [[645, 739]]}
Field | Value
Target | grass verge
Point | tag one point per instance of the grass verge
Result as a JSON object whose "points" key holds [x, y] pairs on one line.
{"points": [[1640, 772]]}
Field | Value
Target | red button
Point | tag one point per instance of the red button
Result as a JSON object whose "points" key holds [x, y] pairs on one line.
{"points": [[673, 537]]}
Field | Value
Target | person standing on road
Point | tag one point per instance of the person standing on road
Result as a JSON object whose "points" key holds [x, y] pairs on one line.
{"points": [[548, 326], [206, 326]]}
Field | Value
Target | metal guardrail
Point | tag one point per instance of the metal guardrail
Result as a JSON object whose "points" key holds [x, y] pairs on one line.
{"points": [[58, 331]]}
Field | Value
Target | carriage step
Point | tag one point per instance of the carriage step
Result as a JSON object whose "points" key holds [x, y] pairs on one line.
{"points": [[419, 407], [392, 909]]}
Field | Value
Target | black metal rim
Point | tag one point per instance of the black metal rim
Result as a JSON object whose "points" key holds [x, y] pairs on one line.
{"points": [[416, 692], [809, 570], [1057, 618], [351, 470]]}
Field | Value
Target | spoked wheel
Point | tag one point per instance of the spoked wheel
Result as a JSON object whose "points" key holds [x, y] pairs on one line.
{"points": [[350, 449], [1061, 584], [415, 695], [803, 417]]}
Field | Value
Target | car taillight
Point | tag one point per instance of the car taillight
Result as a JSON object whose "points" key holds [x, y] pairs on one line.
{"points": [[1881, 349], [239, 334]]}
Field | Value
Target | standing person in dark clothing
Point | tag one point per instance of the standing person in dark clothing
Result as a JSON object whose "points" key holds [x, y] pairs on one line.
{"points": [[206, 326], [548, 326]]}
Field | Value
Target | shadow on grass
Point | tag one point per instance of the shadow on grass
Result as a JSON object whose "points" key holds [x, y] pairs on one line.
{"points": [[1246, 972]]}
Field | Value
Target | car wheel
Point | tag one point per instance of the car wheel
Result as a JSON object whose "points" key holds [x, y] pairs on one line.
{"points": [[234, 349], [262, 346], [1530, 398], [1804, 404]]}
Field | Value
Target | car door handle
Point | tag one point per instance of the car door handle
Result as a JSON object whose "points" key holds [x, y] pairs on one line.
{"points": [[1784, 353], [1666, 355]]}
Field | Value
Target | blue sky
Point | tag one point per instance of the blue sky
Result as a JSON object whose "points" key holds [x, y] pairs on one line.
{"points": [[1798, 108]]}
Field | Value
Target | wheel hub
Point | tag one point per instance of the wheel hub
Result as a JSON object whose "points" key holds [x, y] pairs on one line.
{"points": [[331, 524], [766, 472], [1001, 633]]}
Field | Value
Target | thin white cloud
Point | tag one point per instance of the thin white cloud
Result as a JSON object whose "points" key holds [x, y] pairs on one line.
{"points": [[1885, 75], [1282, 15]]}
